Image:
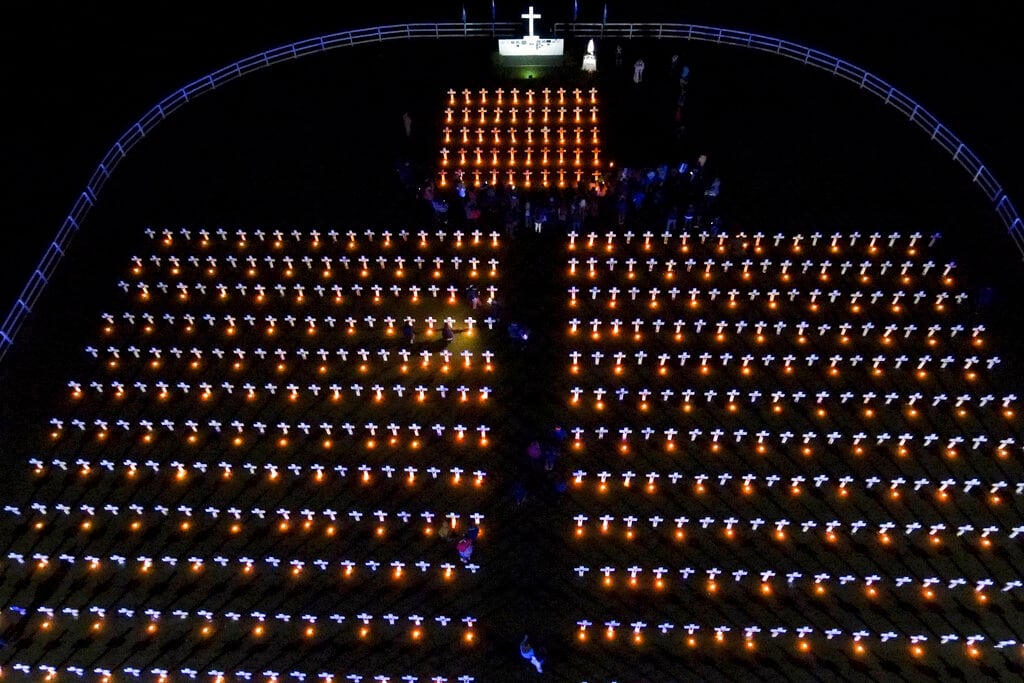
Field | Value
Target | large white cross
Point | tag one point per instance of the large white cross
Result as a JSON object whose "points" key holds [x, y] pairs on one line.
{"points": [[530, 16]]}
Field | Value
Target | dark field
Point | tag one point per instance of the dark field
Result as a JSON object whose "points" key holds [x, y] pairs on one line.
{"points": [[298, 561]]}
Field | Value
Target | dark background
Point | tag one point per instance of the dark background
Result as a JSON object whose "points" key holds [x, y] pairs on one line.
{"points": [[76, 75]]}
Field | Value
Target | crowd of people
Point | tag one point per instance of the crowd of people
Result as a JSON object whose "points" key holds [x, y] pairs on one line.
{"points": [[668, 195], [542, 475]]}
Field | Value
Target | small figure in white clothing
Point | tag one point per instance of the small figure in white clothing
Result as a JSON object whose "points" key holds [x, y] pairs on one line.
{"points": [[590, 59], [638, 71]]}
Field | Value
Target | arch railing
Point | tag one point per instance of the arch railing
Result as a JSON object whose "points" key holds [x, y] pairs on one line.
{"points": [[889, 94], [135, 133]]}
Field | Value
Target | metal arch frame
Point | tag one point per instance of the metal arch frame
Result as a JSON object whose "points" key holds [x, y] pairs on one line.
{"points": [[890, 95], [883, 90], [44, 270]]}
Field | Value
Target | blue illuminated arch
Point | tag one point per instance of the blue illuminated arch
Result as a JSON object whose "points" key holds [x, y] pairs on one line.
{"points": [[891, 96]]}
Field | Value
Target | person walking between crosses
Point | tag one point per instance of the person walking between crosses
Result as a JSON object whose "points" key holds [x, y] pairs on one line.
{"points": [[465, 548], [465, 545], [473, 294], [526, 650]]}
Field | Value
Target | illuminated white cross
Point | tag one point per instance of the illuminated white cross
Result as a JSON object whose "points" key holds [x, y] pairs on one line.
{"points": [[530, 16]]}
